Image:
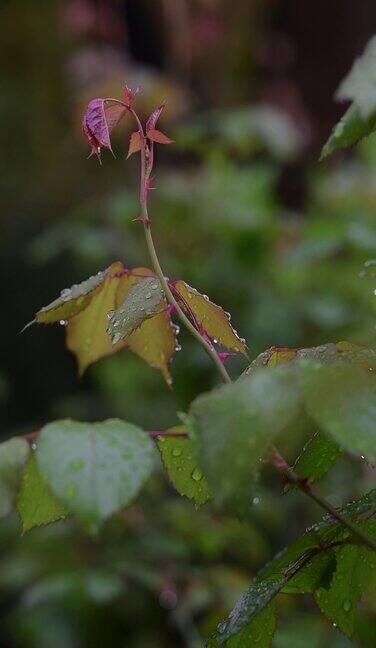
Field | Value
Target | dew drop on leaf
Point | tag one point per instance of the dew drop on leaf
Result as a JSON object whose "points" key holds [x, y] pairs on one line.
{"points": [[196, 474]]}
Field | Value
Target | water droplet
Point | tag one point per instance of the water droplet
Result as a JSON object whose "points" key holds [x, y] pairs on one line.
{"points": [[347, 605], [76, 464], [110, 314], [176, 452], [33, 446], [148, 295], [334, 625], [63, 322], [256, 500], [196, 474]]}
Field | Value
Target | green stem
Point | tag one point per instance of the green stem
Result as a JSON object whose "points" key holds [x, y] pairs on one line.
{"points": [[170, 297], [276, 458]]}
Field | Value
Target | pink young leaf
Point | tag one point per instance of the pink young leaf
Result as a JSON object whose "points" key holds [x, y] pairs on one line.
{"points": [[130, 94], [159, 137], [135, 143], [101, 117], [151, 122]]}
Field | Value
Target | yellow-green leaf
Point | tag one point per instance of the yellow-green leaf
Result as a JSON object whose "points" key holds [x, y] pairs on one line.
{"points": [[75, 299], [87, 335], [144, 300], [214, 321], [36, 504]]}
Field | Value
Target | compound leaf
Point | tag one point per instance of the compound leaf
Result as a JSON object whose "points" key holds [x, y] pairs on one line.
{"points": [[210, 318], [94, 468], [13, 455], [36, 503], [181, 466]]}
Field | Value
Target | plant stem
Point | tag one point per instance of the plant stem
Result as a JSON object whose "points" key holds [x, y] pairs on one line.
{"points": [[145, 174], [275, 457], [303, 484]]}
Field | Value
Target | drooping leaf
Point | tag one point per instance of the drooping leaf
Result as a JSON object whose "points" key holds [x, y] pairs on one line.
{"points": [[94, 468], [350, 129], [292, 570], [87, 335], [355, 569], [100, 118], [135, 143], [342, 400], [317, 457], [141, 302], [359, 85], [155, 342], [209, 317], [181, 466], [36, 503], [75, 299], [235, 424], [13, 455]]}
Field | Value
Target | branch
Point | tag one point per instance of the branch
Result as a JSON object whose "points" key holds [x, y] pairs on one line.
{"points": [[303, 484]]}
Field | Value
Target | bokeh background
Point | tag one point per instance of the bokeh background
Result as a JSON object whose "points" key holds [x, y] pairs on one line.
{"points": [[244, 212]]}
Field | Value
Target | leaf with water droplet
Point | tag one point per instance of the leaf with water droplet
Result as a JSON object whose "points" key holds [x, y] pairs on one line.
{"points": [[13, 455], [235, 424], [86, 334], [211, 318], [75, 299], [144, 299], [181, 465], [302, 567], [352, 577], [114, 457], [36, 504]]}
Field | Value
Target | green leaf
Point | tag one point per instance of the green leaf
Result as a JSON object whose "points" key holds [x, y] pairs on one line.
{"points": [[355, 570], [302, 567], [248, 607], [13, 455], [258, 632], [36, 503], [181, 465], [213, 320], [350, 129], [359, 85], [142, 302], [94, 468], [234, 425], [317, 457], [75, 299], [342, 399]]}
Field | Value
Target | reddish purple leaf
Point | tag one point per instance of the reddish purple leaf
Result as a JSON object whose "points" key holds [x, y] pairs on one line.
{"points": [[159, 137], [130, 94], [101, 117], [135, 143], [151, 122]]}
